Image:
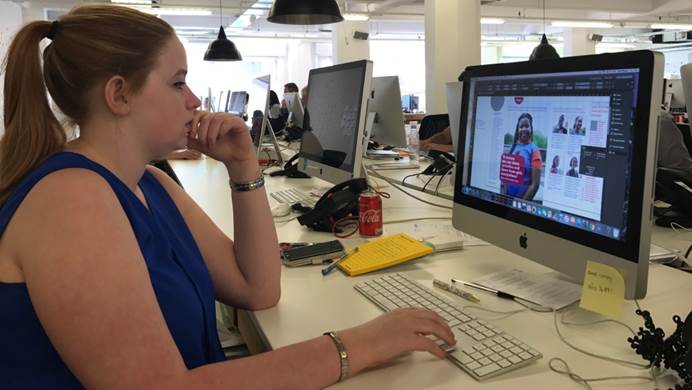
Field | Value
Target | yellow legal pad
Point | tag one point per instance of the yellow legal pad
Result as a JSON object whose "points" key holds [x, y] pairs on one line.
{"points": [[382, 253]]}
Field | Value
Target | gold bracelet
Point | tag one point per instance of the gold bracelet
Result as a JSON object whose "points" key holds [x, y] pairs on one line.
{"points": [[248, 186], [343, 354]]}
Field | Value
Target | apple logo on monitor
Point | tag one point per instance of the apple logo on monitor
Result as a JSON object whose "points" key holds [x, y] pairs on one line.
{"points": [[523, 241]]}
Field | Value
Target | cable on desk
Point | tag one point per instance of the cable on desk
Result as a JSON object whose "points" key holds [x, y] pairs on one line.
{"points": [[403, 181], [374, 173], [428, 182], [444, 174], [626, 363], [415, 219], [343, 223], [585, 381], [504, 315], [675, 226], [687, 253]]}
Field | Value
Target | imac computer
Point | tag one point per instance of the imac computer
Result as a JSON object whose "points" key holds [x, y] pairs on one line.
{"points": [[258, 108], [388, 126], [673, 96], [295, 109], [236, 105], [556, 161], [334, 123], [453, 90]]}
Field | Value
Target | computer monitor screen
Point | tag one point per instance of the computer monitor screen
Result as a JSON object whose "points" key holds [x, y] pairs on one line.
{"points": [[258, 91], [295, 109], [556, 160], [237, 102], [388, 127], [334, 123], [454, 108]]}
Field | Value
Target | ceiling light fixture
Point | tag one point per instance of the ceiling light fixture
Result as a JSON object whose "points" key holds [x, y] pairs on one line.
{"points": [[544, 51], [222, 49], [671, 26], [492, 21], [356, 17], [305, 12], [581, 24]]}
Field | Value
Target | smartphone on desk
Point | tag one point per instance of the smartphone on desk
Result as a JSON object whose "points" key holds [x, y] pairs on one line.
{"points": [[312, 254]]}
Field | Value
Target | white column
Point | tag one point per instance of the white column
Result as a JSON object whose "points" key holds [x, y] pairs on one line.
{"points": [[452, 42], [577, 42], [345, 48], [299, 60]]}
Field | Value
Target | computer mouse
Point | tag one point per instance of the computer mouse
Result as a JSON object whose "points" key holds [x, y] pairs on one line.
{"points": [[281, 210]]}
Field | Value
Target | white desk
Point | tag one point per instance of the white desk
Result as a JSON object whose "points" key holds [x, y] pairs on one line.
{"points": [[312, 304]]}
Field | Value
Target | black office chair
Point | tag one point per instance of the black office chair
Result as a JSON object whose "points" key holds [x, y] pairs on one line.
{"points": [[686, 135], [166, 167], [432, 124]]}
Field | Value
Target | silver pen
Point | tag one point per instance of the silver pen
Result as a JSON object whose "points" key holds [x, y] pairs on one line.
{"points": [[456, 291]]}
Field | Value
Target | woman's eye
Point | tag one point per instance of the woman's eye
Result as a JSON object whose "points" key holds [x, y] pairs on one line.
{"points": [[179, 84]]}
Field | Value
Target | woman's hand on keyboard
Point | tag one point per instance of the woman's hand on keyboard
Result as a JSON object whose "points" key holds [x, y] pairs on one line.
{"points": [[393, 334]]}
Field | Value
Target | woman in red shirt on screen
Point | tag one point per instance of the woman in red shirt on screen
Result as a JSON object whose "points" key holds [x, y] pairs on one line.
{"points": [[523, 146]]}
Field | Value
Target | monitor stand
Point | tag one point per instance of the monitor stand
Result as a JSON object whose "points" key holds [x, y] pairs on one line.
{"points": [[268, 128]]}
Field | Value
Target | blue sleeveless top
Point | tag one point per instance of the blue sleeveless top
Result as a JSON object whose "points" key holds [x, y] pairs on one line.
{"points": [[177, 271]]}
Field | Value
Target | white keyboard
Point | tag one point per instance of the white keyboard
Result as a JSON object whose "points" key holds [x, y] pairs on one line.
{"points": [[292, 196], [482, 349]]}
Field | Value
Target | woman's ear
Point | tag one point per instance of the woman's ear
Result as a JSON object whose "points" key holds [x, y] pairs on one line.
{"points": [[116, 95]]}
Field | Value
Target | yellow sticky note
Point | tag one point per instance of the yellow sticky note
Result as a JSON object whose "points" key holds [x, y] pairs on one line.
{"points": [[603, 290]]}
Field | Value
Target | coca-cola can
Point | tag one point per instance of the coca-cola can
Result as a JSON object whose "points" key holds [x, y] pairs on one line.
{"points": [[370, 214]]}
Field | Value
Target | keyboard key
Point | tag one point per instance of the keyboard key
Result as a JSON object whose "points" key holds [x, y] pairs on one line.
{"points": [[483, 371]]}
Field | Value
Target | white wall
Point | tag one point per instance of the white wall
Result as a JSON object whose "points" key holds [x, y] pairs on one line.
{"points": [[10, 21]]}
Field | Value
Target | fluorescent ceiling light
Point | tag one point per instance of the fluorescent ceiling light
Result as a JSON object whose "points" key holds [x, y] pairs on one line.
{"points": [[356, 17], [492, 21], [177, 11], [580, 24], [670, 26]]}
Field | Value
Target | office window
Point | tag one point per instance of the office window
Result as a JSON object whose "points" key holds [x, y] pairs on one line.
{"points": [[387, 58]]}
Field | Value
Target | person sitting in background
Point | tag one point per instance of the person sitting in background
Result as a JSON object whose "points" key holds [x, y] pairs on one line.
{"points": [[109, 271], [288, 88], [277, 116], [441, 141], [304, 96]]}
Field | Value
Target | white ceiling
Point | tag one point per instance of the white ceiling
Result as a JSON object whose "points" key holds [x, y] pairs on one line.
{"points": [[522, 17]]}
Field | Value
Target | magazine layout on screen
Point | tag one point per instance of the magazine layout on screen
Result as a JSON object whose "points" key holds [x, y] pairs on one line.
{"points": [[557, 145]]}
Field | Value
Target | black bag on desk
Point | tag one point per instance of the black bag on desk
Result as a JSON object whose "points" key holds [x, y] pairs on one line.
{"points": [[339, 202]]}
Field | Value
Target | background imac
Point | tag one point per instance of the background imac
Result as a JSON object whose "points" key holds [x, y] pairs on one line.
{"points": [[686, 77], [334, 123], [295, 109], [258, 91], [388, 127], [236, 105], [556, 161], [674, 96]]}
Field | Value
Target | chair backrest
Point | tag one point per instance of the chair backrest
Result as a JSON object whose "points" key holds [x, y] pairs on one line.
{"points": [[432, 124], [686, 136]]}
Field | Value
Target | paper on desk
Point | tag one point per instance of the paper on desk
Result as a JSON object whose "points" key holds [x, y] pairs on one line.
{"points": [[543, 289], [439, 233], [603, 291]]}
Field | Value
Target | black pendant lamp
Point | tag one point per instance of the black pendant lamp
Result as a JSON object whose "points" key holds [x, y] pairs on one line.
{"points": [[544, 50], [305, 12], [222, 49]]}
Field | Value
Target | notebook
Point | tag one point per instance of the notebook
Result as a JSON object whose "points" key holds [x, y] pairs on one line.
{"points": [[382, 253]]}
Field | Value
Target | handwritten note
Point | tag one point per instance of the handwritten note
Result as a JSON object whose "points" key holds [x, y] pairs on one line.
{"points": [[603, 290]]}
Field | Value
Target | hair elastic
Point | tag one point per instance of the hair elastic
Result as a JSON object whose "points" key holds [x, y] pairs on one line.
{"points": [[53, 30]]}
